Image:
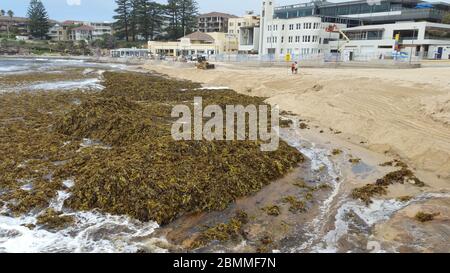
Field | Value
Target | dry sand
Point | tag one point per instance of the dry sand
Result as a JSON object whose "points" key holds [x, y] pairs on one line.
{"points": [[398, 112]]}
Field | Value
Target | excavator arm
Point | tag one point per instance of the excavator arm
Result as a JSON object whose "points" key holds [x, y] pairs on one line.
{"points": [[335, 29]]}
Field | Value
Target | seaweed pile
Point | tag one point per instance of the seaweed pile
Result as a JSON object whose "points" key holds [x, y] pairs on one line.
{"points": [[425, 217], [135, 167], [404, 175], [223, 232]]}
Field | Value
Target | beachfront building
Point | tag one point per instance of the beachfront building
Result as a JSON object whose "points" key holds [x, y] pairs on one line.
{"points": [[423, 40], [79, 31], [296, 31], [100, 29], [17, 25], [213, 22], [129, 53], [302, 29], [197, 43], [245, 31]]}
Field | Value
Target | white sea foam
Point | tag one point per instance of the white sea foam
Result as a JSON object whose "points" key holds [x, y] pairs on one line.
{"points": [[92, 232], [380, 210], [319, 158], [93, 83], [12, 68], [213, 88]]}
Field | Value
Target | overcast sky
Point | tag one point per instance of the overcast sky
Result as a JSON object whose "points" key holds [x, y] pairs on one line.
{"points": [[103, 10]]}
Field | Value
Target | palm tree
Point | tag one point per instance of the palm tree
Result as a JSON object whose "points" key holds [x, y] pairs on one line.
{"points": [[11, 15], [2, 12]]}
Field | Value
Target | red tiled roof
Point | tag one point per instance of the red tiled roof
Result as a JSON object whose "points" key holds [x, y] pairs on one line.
{"points": [[199, 36], [89, 28], [218, 14]]}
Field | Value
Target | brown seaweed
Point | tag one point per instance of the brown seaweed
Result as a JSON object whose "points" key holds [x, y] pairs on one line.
{"points": [[223, 232], [425, 217], [272, 210], [136, 168]]}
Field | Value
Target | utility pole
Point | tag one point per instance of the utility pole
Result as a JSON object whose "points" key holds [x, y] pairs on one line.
{"points": [[412, 45]]}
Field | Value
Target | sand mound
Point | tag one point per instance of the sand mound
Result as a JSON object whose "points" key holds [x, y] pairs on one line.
{"points": [[437, 107]]}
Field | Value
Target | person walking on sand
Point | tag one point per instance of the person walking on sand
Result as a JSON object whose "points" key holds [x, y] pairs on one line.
{"points": [[296, 67], [293, 68]]}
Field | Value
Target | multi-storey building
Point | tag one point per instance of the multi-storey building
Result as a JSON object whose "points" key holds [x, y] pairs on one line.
{"points": [[400, 40], [79, 30], [214, 22], [245, 31], [18, 25], [100, 29], [303, 28], [296, 30]]}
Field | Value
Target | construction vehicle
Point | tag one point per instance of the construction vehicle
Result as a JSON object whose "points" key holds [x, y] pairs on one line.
{"points": [[204, 64], [335, 29]]}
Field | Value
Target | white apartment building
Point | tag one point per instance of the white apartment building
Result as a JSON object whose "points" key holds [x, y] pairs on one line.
{"points": [[418, 39], [298, 37], [78, 30]]}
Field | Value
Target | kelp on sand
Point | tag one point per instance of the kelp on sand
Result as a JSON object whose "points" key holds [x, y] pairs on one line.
{"points": [[135, 167]]}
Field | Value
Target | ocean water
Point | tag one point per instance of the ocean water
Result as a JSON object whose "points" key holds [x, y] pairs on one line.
{"points": [[93, 231], [25, 65]]}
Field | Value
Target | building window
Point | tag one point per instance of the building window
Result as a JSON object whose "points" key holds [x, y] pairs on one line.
{"points": [[282, 27], [282, 39], [297, 39], [299, 26], [290, 39], [291, 27]]}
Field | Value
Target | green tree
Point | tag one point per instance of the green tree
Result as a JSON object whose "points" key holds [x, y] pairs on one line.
{"points": [[38, 19], [11, 15], [150, 18], [181, 17], [446, 18], [188, 15], [136, 12], [122, 18], [173, 19], [2, 12], [155, 25]]}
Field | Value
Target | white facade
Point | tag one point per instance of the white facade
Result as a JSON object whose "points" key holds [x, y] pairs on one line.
{"points": [[298, 37], [100, 29], [421, 39]]}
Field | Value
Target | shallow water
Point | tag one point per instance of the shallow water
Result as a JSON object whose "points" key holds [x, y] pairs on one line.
{"points": [[24, 65]]}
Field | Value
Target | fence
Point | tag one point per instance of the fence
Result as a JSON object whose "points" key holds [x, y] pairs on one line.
{"points": [[316, 59]]}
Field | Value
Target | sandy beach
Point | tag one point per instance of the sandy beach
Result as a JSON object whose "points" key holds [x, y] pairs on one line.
{"points": [[403, 113], [347, 125]]}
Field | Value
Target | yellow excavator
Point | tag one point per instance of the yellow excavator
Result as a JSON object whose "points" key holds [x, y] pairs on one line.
{"points": [[204, 64]]}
